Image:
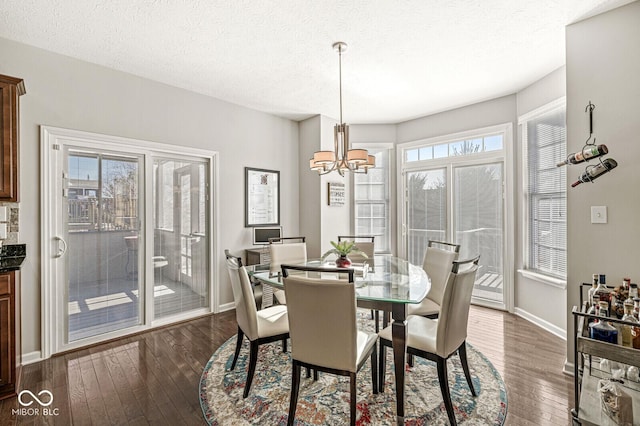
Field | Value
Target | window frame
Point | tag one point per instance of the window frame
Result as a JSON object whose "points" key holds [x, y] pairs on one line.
{"points": [[528, 270], [389, 148]]}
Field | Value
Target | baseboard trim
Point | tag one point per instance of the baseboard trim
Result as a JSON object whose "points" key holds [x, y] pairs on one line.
{"points": [[568, 368], [31, 357], [226, 307], [544, 324]]}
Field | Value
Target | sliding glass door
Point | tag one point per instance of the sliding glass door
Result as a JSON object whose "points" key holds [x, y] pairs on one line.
{"points": [[426, 211], [180, 238], [453, 191], [127, 228], [478, 224], [102, 223]]}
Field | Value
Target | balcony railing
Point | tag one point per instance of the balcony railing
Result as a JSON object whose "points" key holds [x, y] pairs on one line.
{"points": [[487, 242], [108, 214]]}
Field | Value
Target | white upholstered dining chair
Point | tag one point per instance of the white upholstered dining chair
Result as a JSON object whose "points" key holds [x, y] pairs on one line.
{"points": [[438, 261], [283, 250], [265, 326], [365, 243], [256, 286], [439, 339], [324, 339]]}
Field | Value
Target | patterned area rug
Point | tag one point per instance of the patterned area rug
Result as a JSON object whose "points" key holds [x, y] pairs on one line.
{"points": [[326, 402]]}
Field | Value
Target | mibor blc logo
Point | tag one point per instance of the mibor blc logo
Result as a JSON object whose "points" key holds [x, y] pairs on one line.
{"points": [[43, 400]]}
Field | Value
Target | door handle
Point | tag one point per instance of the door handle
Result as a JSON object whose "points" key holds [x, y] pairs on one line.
{"points": [[61, 250]]}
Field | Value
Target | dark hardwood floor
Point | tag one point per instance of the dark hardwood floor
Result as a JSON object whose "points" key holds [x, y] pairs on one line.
{"points": [[152, 378]]}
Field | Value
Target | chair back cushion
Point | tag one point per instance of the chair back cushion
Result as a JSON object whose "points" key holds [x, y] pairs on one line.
{"points": [[437, 264], [287, 253], [366, 247], [322, 321], [454, 311], [246, 312]]}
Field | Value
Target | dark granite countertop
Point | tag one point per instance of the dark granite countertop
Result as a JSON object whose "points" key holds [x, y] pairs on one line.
{"points": [[12, 256]]}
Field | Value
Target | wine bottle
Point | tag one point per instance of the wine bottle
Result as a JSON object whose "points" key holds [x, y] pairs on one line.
{"points": [[592, 290], [588, 152], [594, 172]]}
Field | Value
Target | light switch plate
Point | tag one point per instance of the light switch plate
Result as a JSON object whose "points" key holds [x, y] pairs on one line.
{"points": [[3, 213], [598, 214]]}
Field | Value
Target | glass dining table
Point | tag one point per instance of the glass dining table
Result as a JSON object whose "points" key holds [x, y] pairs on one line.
{"points": [[388, 284]]}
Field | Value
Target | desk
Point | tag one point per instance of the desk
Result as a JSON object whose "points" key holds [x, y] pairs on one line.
{"points": [[389, 286], [258, 256]]}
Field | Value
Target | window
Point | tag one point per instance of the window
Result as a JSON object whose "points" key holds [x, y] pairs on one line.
{"points": [[456, 148], [371, 202], [544, 140]]}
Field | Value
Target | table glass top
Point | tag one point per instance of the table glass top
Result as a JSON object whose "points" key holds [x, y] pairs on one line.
{"points": [[389, 279]]}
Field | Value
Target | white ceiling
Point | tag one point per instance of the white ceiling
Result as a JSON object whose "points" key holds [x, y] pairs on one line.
{"points": [[405, 59]]}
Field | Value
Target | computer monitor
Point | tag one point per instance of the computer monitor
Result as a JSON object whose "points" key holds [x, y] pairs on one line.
{"points": [[261, 235]]}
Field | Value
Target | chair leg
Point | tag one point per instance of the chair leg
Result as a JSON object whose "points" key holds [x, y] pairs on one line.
{"points": [[410, 360], [444, 388], [253, 357], [376, 319], [284, 345], [374, 369], [308, 372], [352, 404], [462, 352], [295, 385], [315, 375], [372, 314], [382, 361], [238, 346]]}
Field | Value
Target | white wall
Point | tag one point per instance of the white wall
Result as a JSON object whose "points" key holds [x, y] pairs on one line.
{"points": [[536, 300], [310, 186], [68, 93], [603, 66], [483, 114]]}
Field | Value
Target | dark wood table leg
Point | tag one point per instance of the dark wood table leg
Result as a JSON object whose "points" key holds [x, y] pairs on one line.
{"points": [[399, 342]]}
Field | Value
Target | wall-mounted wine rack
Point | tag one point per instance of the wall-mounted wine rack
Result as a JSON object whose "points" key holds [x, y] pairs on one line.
{"points": [[590, 151]]}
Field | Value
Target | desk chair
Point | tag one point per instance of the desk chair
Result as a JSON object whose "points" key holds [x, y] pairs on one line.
{"points": [[264, 326], [439, 339], [326, 339], [437, 263], [286, 250]]}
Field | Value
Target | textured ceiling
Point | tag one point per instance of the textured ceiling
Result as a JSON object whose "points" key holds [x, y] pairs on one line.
{"points": [[405, 59]]}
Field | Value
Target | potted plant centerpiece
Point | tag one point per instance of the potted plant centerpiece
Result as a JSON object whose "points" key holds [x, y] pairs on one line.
{"points": [[342, 250]]}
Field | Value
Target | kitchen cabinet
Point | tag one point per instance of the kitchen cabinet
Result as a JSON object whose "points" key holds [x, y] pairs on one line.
{"points": [[9, 334], [11, 89]]}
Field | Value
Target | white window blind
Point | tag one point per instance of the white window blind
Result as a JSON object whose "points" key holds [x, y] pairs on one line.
{"points": [[544, 138], [371, 202]]}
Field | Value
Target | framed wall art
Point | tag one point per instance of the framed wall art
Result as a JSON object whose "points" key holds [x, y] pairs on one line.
{"points": [[261, 197], [336, 194]]}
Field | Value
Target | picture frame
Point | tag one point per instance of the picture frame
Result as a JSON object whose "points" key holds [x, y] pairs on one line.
{"points": [[336, 193], [261, 197]]}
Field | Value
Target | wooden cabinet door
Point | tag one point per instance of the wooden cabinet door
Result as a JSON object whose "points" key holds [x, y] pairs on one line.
{"points": [[6, 341], [10, 89]]}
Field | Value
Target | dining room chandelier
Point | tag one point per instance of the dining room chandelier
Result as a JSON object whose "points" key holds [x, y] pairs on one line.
{"points": [[342, 158]]}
